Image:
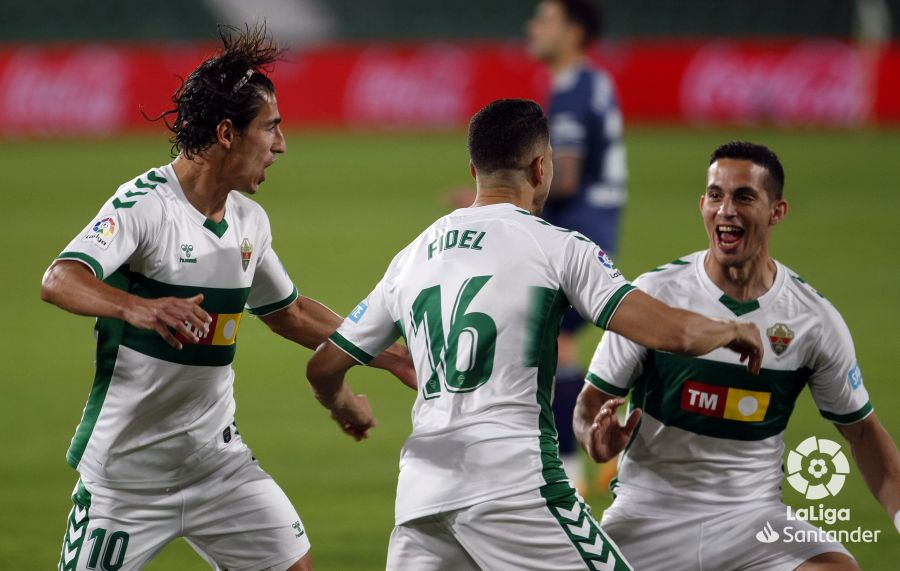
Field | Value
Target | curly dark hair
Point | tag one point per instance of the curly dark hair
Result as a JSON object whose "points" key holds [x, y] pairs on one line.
{"points": [[232, 84], [758, 155]]}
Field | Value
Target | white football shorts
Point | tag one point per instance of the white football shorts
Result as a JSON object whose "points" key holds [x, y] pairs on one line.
{"points": [[752, 537], [236, 518], [554, 530]]}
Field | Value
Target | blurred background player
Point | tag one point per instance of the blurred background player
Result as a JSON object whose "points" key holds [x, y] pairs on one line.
{"points": [[168, 267], [703, 470], [478, 296], [588, 191]]}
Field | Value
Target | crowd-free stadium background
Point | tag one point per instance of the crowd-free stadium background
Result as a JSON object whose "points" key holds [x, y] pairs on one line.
{"points": [[375, 97]]}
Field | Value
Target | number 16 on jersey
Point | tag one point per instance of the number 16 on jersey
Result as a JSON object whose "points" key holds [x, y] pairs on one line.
{"points": [[465, 358]]}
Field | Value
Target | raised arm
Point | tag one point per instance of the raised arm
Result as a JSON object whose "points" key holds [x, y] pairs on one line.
{"points": [[878, 460], [309, 323], [70, 285], [655, 325]]}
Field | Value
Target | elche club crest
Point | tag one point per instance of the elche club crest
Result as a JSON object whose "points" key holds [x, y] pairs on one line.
{"points": [[246, 253], [780, 337]]}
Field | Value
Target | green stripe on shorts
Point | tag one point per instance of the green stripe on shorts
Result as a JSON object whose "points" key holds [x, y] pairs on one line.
{"points": [[76, 528], [596, 549]]}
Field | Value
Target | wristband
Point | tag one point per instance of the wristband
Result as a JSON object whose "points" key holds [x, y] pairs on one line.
{"points": [[897, 520]]}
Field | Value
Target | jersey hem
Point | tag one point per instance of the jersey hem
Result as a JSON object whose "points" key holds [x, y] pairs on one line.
{"points": [[465, 503], [849, 418], [604, 386], [609, 309], [273, 307], [90, 262], [350, 349]]}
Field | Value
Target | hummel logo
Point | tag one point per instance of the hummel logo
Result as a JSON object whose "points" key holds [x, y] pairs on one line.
{"points": [[767, 535], [187, 249], [298, 528]]}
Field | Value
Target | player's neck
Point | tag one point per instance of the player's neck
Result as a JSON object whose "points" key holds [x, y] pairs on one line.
{"points": [[206, 191], [565, 62], [486, 196], [745, 282]]}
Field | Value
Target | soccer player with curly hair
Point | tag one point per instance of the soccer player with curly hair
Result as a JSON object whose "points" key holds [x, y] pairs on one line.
{"points": [[167, 267]]}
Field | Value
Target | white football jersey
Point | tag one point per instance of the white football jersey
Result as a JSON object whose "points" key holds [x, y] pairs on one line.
{"points": [[156, 415], [479, 297], [711, 431]]}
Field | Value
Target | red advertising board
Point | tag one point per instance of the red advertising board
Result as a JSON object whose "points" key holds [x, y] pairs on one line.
{"points": [[100, 88]]}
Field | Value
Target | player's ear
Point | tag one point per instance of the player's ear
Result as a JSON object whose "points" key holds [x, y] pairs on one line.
{"points": [[536, 171], [225, 133], [472, 170], [779, 211]]}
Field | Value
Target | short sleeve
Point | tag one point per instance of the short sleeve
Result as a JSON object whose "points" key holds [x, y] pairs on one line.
{"points": [[114, 235], [369, 329], [590, 280], [836, 382], [272, 288], [616, 363], [568, 133]]}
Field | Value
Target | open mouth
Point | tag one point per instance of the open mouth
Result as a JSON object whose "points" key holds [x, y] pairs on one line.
{"points": [[728, 236]]}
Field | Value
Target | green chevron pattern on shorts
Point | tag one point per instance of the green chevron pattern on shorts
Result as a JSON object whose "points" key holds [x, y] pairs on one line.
{"points": [[76, 529], [575, 518]]}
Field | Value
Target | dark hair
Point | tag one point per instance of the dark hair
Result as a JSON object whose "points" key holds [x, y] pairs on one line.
{"points": [[586, 15], [758, 155], [229, 85], [505, 133]]}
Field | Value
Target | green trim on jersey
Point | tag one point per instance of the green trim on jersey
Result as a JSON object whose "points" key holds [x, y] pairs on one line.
{"points": [[215, 300], [736, 307], [849, 418], [659, 392], [678, 262], [349, 348], [575, 518], [273, 307], [605, 386], [109, 337], [542, 328], [610, 308], [217, 228], [94, 264]]}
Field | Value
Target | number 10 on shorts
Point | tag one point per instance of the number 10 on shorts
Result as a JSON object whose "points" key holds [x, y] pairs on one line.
{"points": [[109, 552]]}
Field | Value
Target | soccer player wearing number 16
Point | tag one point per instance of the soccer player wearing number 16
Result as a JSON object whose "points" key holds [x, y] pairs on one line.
{"points": [[479, 296]]}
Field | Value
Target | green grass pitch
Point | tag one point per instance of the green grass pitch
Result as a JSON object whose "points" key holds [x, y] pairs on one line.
{"points": [[341, 205]]}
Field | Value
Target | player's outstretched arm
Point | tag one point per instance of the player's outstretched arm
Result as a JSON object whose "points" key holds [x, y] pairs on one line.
{"points": [[309, 323], [877, 458], [653, 324], [72, 286], [597, 425], [325, 372]]}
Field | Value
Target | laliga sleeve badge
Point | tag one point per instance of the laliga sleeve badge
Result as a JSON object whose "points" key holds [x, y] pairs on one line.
{"points": [[102, 232], [780, 336], [246, 253]]}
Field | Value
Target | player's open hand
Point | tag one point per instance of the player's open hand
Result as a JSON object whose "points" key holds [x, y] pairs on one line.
{"points": [[748, 342], [171, 317], [607, 437], [355, 417]]}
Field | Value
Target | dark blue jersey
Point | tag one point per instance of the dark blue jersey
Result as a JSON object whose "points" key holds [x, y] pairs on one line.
{"points": [[585, 121]]}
